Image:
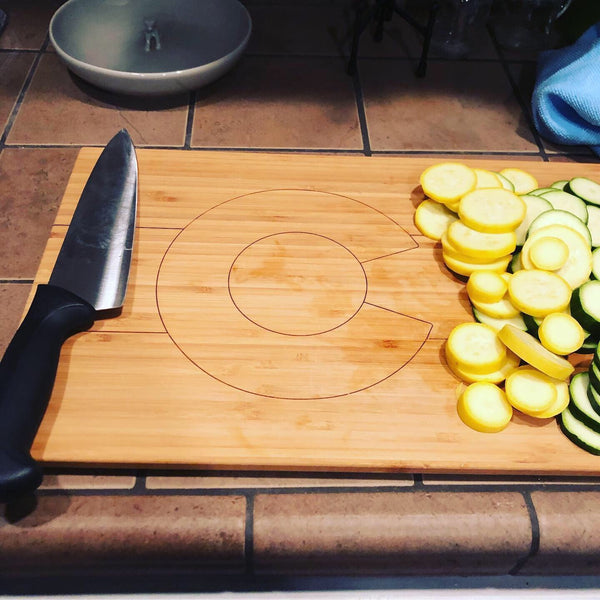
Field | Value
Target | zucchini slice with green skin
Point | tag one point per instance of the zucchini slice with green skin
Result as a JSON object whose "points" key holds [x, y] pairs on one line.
{"points": [[594, 398], [560, 184], [580, 405], [585, 188], [596, 263], [534, 207], [558, 216], [579, 433], [594, 374], [593, 224], [532, 324], [540, 191], [585, 306], [589, 346], [569, 202]]}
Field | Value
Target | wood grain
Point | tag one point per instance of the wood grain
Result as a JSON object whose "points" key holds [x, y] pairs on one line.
{"points": [[283, 312]]}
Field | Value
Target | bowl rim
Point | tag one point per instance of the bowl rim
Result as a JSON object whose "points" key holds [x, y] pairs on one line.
{"points": [[138, 75]]}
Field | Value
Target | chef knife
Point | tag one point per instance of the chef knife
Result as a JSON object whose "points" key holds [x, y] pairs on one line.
{"points": [[88, 281]]}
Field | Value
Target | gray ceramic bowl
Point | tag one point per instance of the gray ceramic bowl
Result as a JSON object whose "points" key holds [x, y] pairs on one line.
{"points": [[150, 47]]}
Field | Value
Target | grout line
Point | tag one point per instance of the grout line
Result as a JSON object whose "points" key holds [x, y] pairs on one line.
{"points": [[20, 281], [249, 534], [13, 114], [535, 535], [189, 126]]}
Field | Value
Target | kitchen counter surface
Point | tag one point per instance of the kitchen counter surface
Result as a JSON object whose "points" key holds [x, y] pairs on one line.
{"points": [[290, 93]]}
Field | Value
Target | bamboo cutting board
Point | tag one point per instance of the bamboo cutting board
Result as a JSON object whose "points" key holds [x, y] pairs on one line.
{"points": [[283, 313]]}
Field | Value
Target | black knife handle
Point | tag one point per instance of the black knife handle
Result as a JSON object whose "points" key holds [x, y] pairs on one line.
{"points": [[27, 374]]}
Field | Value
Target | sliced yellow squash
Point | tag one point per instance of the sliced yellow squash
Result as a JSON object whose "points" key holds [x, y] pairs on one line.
{"points": [[492, 210], [530, 391], [498, 376], [560, 333], [484, 407], [531, 351], [465, 268], [548, 253], [502, 309], [447, 181], [432, 219], [478, 244], [522, 181], [578, 267], [538, 293], [486, 286], [475, 347], [561, 402], [486, 179]]}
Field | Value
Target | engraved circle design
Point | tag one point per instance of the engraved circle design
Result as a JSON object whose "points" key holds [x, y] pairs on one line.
{"points": [[288, 294], [316, 279]]}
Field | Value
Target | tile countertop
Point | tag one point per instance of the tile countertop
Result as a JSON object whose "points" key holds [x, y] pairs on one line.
{"points": [[289, 93]]}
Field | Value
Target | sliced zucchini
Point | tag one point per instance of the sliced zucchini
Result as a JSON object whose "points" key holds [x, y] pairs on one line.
{"points": [[589, 346], [596, 263], [532, 323], [579, 433], [515, 263], [585, 188], [486, 179], [585, 306], [534, 206], [495, 323], [560, 184], [594, 375], [593, 397], [580, 405], [593, 224], [506, 183], [541, 191], [560, 217], [569, 202]]}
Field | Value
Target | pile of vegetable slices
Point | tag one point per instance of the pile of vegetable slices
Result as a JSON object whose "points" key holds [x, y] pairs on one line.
{"points": [[531, 259]]}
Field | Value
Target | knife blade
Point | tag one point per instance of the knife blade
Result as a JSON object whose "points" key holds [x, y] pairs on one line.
{"points": [[88, 281]]}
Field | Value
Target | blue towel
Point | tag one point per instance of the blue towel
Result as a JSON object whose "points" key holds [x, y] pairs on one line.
{"points": [[566, 97]]}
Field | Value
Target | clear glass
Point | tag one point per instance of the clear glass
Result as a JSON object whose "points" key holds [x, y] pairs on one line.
{"points": [[526, 24]]}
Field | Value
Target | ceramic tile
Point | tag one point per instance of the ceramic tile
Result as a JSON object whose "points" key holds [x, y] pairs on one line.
{"points": [[14, 67], [463, 105], [569, 525], [13, 297], [59, 109], [33, 182], [97, 532], [28, 22], [279, 103], [274, 481], [299, 28], [67, 481], [390, 533]]}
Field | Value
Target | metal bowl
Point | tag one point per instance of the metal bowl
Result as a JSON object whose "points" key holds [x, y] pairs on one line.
{"points": [[150, 47]]}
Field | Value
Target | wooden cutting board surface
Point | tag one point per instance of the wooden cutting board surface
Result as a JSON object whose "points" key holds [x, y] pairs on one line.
{"points": [[283, 312]]}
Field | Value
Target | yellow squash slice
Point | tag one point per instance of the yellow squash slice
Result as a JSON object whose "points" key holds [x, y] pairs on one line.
{"points": [[484, 407], [530, 391], [548, 253], [486, 286], [561, 333], [432, 219], [531, 351], [447, 182], [478, 244], [465, 268], [498, 376], [492, 210], [522, 181], [487, 179], [538, 293], [561, 402], [476, 348]]}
